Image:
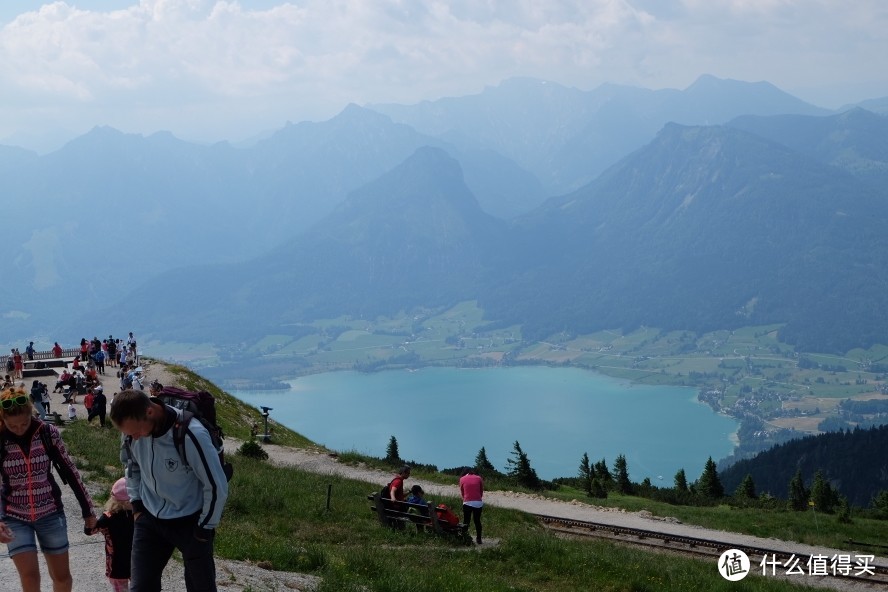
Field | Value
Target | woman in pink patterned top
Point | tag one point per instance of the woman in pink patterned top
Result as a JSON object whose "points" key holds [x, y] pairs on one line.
{"points": [[30, 499]]}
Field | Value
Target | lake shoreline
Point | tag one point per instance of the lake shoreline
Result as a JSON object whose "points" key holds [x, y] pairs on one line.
{"points": [[513, 403]]}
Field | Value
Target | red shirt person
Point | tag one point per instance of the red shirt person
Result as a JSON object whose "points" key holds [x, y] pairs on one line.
{"points": [[396, 487], [471, 487]]}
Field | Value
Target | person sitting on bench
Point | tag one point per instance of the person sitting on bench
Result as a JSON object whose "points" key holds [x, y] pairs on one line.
{"points": [[63, 381]]}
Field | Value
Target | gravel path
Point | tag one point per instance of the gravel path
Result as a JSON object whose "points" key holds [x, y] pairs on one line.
{"points": [[87, 553]]}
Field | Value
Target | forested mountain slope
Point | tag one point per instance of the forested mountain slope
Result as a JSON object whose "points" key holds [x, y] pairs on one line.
{"points": [[853, 461]]}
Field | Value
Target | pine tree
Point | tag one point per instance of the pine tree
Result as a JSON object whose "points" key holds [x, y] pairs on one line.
{"points": [[681, 481], [603, 474], [483, 465], [621, 470], [519, 469], [843, 514], [709, 484], [822, 494], [880, 502], [597, 490], [586, 474], [746, 489], [798, 495], [392, 456]]}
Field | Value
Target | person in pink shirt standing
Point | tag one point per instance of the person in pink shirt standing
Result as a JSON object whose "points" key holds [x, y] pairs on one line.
{"points": [[471, 486]]}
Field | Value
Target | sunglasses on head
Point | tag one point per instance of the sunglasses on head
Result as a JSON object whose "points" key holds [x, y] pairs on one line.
{"points": [[20, 400]]}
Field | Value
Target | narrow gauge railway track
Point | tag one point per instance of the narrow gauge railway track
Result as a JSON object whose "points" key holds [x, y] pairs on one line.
{"points": [[874, 576]]}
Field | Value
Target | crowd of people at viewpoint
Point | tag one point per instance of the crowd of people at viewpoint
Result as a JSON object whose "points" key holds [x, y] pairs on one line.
{"points": [[161, 502]]}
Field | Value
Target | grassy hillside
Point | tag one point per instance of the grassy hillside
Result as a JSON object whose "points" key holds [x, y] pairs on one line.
{"points": [[280, 516], [235, 417]]}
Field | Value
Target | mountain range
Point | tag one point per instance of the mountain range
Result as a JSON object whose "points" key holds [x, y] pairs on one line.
{"points": [[774, 215]]}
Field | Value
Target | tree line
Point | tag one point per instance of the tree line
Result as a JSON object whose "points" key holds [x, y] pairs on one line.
{"points": [[597, 479]]}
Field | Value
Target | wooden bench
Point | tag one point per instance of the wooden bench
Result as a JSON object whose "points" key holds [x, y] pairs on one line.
{"points": [[424, 517]]}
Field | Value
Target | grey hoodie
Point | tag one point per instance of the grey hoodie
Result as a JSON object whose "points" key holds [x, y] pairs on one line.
{"points": [[167, 487]]}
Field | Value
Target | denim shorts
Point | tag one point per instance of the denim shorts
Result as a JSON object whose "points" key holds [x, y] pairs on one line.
{"points": [[51, 531]]}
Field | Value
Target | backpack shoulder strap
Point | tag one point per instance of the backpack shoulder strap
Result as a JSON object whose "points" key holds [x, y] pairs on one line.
{"points": [[179, 430], [52, 452], [126, 455]]}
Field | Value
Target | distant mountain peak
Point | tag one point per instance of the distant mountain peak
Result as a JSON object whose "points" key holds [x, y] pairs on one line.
{"points": [[708, 81], [430, 173], [524, 82], [754, 94], [434, 157], [355, 113]]}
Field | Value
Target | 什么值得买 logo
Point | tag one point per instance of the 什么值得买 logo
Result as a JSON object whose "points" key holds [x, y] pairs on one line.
{"points": [[733, 565]]}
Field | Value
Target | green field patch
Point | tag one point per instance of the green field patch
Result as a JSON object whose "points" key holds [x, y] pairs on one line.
{"points": [[400, 324], [701, 364], [756, 333], [605, 337], [636, 339], [352, 335], [363, 340], [877, 354], [588, 343], [469, 312], [461, 320], [535, 351], [302, 346], [603, 359], [731, 363], [839, 390], [270, 343], [672, 343], [813, 405]]}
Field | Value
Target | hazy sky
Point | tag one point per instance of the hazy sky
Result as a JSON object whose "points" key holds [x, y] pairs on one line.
{"points": [[211, 70]]}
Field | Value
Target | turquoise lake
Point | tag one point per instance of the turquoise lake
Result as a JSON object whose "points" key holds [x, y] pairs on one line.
{"points": [[443, 416]]}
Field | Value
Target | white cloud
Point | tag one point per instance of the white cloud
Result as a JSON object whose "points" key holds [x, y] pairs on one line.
{"points": [[217, 69]]}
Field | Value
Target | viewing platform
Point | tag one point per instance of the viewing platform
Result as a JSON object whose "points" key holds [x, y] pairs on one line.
{"points": [[44, 362]]}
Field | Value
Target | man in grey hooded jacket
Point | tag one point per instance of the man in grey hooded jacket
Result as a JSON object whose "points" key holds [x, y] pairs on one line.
{"points": [[177, 503]]}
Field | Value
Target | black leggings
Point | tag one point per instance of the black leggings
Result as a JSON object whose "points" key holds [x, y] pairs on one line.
{"points": [[100, 413], [473, 513]]}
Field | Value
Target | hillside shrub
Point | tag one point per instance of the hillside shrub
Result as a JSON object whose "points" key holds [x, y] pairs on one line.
{"points": [[252, 449]]}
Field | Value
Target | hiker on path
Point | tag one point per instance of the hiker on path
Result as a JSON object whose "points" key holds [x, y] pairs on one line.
{"points": [[471, 487], [99, 406], [179, 502], [37, 399], [31, 509]]}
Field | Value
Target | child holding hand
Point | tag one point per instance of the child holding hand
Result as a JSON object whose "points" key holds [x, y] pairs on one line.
{"points": [[116, 523]]}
